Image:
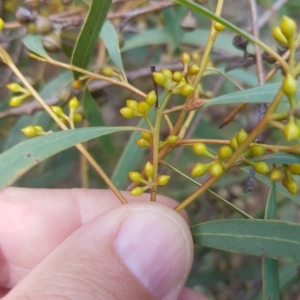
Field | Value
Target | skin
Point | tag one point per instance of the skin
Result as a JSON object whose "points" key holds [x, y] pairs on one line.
{"points": [[83, 244]]}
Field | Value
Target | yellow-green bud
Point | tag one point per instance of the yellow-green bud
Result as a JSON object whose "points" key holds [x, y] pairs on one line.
{"points": [[147, 136], [199, 169], [137, 191], [127, 112], [171, 139], [241, 136], [292, 186], [77, 118], [185, 58], [224, 152], [275, 175], [177, 76], [149, 169], [58, 111], [257, 150], [142, 143], [218, 26], [135, 176], [39, 128], [30, 131], [290, 85], [132, 104], [166, 72], [278, 36], [163, 180], [159, 78], [233, 143], [16, 100], [200, 149], [193, 70], [261, 167], [15, 88], [216, 169], [294, 169], [291, 131], [151, 98], [109, 72], [186, 90], [288, 27], [73, 103], [2, 24], [143, 108]]}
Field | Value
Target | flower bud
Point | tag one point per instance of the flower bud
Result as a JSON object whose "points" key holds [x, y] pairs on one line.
{"points": [[127, 112], [275, 175], [39, 128], [186, 90], [159, 78], [77, 84], [193, 70], [288, 27], [291, 131], [142, 143], [216, 169], [132, 104], [14, 87], [241, 136], [43, 25], [16, 100], [135, 176], [294, 169], [185, 58], [73, 103], [233, 143], [77, 118], [30, 131], [147, 136], [177, 76], [163, 180], [143, 108], [166, 72], [199, 169], [290, 86], [137, 191], [200, 149], [108, 72], [149, 169], [261, 167], [151, 98], [171, 139], [292, 186], [52, 42], [2, 24], [224, 152], [218, 26], [278, 36], [58, 111], [257, 150]]}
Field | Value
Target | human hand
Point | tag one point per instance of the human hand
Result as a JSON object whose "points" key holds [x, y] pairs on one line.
{"points": [[83, 244]]}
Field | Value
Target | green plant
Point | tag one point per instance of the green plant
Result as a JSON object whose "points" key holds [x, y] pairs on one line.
{"points": [[178, 93]]}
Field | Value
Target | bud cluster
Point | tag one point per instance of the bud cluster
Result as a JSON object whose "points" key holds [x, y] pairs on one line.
{"points": [[21, 92]]}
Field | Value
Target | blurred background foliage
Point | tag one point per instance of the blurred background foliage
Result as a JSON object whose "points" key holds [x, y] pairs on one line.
{"points": [[152, 33]]}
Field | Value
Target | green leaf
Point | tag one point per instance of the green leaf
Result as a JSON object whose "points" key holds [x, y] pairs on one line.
{"points": [[261, 94], [159, 36], [89, 33], [110, 38], [22, 157], [34, 43], [95, 119], [270, 268], [266, 238], [279, 158]]}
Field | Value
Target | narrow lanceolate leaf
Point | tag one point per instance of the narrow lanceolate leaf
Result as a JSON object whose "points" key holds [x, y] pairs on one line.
{"points": [[33, 42], [22, 157], [261, 94], [111, 40], [89, 33], [270, 269], [279, 158], [266, 238]]}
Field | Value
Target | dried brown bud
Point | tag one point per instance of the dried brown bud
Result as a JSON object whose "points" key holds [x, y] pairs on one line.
{"points": [[240, 42]]}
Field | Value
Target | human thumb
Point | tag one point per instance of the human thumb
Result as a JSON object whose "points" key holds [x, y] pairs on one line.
{"points": [[135, 251]]}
